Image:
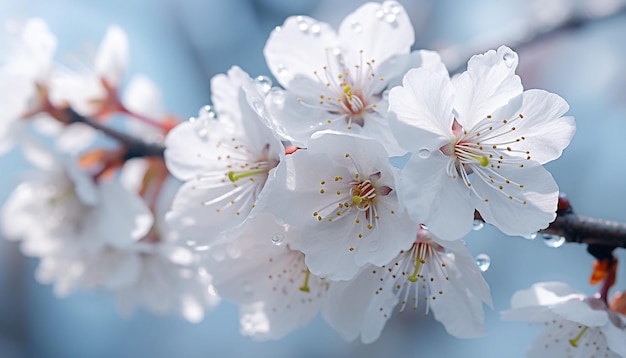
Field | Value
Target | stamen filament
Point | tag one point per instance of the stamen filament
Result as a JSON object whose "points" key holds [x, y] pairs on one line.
{"points": [[413, 277], [234, 176], [574, 341], [305, 286]]}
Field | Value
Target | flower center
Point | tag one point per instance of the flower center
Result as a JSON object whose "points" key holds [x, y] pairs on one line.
{"points": [[483, 151], [349, 94], [363, 194]]}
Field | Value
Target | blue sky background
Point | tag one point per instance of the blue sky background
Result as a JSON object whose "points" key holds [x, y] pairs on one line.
{"points": [[181, 44]]}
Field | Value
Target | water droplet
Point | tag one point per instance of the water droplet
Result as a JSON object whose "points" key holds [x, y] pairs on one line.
{"points": [[202, 127], [530, 236], [423, 153], [282, 71], [483, 261], [386, 95], [552, 240], [247, 286], [356, 27], [315, 29], [278, 238], [390, 18], [202, 247], [395, 9], [263, 83], [302, 25], [207, 111], [373, 246], [509, 59], [277, 95], [478, 224], [424, 227], [380, 14]]}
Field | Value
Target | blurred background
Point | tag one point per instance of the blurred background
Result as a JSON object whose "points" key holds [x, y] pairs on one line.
{"points": [[181, 44]]}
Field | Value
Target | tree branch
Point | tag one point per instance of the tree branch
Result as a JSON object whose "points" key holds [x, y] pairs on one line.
{"points": [[135, 146]]}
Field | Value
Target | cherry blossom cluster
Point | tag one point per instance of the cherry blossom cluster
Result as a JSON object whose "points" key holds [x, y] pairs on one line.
{"points": [[345, 190]]}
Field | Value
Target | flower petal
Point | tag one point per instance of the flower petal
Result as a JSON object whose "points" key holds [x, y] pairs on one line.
{"points": [[379, 30], [524, 213], [489, 83], [312, 52], [433, 198], [420, 112], [546, 133]]}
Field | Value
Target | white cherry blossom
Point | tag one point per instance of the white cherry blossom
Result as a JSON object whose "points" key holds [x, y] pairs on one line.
{"points": [[24, 80], [70, 222], [226, 162], [574, 325], [93, 90], [433, 275], [479, 142], [337, 80], [341, 193], [260, 268]]}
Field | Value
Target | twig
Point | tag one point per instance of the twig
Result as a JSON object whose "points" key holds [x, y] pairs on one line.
{"points": [[135, 146]]}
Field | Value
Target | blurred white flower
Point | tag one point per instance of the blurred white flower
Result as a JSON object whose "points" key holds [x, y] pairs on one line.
{"points": [[337, 80], [442, 275], [341, 193], [479, 142], [575, 325], [24, 80], [94, 91], [260, 268]]}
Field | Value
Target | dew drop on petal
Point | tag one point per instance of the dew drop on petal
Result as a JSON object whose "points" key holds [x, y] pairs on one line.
{"points": [[423, 153], [373, 246], [282, 71], [395, 9], [207, 111], [263, 83], [390, 18], [202, 127], [278, 238], [483, 261], [477, 225], [530, 236], [508, 59], [315, 29], [302, 25], [380, 14], [552, 240], [356, 27], [277, 95], [202, 247], [386, 95]]}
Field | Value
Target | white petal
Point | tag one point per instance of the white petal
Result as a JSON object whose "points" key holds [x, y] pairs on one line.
{"points": [[436, 200], [546, 133], [457, 308], [512, 216], [379, 30], [542, 294], [421, 110], [488, 84], [615, 339], [579, 311], [122, 217], [187, 153], [285, 61], [112, 56]]}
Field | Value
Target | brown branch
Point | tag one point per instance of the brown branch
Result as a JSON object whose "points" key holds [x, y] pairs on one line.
{"points": [[135, 146], [602, 236]]}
